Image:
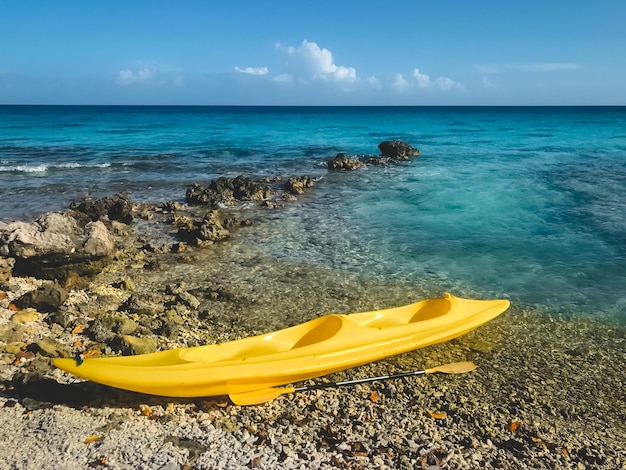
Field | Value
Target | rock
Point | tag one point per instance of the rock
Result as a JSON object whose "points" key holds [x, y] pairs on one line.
{"points": [[98, 241], [143, 305], [341, 162], [25, 316], [189, 300], [105, 327], [52, 233], [6, 268], [52, 348], [48, 298], [227, 191], [298, 184], [397, 149], [55, 244], [210, 229], [134, 345], [117, 207], [170, 206]]}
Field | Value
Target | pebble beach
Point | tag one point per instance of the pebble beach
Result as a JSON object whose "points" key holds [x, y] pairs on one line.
{"points": [[547, 393]]}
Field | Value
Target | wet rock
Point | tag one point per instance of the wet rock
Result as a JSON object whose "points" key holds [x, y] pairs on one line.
{"points": [[209, 229], [227, 191], [341, 162], [397, 149], [299, 184], [47, 298], [117, 207], [171, 207]]}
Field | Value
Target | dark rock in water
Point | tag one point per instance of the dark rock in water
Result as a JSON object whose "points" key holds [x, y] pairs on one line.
{"points": [[47, 298], [210, 229], [55, 244], [299, 184], [117, 207], [341, 162], [227, 191], [397, 149]]}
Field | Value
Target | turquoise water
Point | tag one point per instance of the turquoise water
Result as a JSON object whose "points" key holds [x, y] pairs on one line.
{"points": [[528, 203]]}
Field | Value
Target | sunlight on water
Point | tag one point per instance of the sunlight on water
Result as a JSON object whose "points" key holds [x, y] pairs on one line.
{"points": [[528, 203]]}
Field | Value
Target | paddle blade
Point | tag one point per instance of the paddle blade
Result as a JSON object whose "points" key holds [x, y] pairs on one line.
{"points": [[256, 397], [454, 368]]}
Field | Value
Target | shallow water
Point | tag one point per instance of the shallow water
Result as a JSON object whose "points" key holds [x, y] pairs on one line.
{"points": [[524, 203]]}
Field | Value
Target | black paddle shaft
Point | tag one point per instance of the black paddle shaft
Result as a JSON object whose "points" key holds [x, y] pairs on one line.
{"points": [[358, 381]]}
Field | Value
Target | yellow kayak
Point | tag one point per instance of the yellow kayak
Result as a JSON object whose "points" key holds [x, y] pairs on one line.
{"points": [[318, 347]]}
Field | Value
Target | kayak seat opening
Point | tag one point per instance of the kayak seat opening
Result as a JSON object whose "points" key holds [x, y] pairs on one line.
{"points": [[431, 309], [321, 330]]}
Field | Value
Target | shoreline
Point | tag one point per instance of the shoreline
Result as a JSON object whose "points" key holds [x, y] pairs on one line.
{"points": [[547, 392]]}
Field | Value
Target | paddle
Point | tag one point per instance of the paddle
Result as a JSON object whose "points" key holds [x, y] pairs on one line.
{"points": [[256, 397]]}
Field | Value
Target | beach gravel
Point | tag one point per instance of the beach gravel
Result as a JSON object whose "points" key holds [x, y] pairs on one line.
{"points": [[548, 392]]}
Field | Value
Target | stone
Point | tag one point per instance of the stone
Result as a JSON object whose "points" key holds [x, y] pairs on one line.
{"points": [[143, 305], [135, 345], [299, 184], [47, 298], [25, 316], [117, 207], [227, 191], [397, 149], [98, 241], [107, 325], [53, 245], [52, 348], [341, 162], [6, 268]]}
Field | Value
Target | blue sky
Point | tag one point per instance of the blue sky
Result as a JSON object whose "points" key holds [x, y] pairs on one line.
{"points": [[236, 52]]}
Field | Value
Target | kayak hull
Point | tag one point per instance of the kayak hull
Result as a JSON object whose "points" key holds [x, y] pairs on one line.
{"points": [[318, 347]]}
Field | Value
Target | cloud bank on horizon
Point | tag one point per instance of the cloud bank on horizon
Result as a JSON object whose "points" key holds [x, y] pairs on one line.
{"points": [[309, 64], [311, 70]]}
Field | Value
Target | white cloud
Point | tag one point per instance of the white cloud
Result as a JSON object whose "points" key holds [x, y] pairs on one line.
{"points": [[130, 77], [253, 70], [423, 81], [400, 83], [310, 62], [374, 82]]}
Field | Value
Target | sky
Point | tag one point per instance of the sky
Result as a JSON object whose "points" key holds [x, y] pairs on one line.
{"points": [[339, 52]]}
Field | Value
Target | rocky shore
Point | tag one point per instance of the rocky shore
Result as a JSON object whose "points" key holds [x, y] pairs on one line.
{"points": [[110, 276]]}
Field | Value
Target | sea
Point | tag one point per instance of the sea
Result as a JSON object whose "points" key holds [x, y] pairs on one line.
{"points": [[525, 203]]}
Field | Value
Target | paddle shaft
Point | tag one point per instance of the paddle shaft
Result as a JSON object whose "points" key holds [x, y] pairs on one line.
{"points": [[357, 381]]}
